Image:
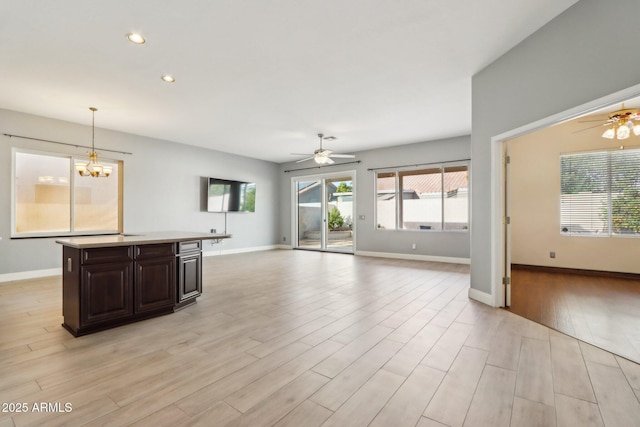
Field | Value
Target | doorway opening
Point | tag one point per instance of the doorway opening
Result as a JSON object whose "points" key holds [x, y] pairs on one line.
{"points": [[324, 212], [567, 260]]}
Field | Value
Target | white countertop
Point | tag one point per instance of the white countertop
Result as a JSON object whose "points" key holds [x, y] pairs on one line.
{"points": [[128, 239]]}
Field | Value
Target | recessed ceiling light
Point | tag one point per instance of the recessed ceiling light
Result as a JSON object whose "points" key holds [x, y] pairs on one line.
{"points": [[135, 38], [168, 78]]}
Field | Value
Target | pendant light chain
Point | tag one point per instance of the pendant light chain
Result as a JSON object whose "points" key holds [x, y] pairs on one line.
{"points": [[93, 129]]}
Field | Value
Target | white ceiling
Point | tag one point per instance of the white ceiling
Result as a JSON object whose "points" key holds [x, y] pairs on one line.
{"points": [[260, 78]]}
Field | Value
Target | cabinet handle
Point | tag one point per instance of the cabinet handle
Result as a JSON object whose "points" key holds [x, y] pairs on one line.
{"points": [[69, 267]]}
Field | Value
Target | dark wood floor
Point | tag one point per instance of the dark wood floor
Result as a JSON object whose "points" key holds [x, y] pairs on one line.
{"points": [[603, 311]]}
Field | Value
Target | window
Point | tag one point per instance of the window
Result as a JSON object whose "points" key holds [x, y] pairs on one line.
{"points": [[386, 200], [600, 193], [421, 206], [436, 198], [51, 200], [455, 197]]}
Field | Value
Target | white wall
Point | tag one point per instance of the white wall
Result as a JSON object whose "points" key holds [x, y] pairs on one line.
{"points": [[579, 56], [162, 188], [535, 204], [451, 244]]}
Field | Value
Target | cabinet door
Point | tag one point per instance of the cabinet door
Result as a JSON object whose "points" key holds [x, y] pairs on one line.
{"points": [[189, 276], [155, 284], [107, 292]]}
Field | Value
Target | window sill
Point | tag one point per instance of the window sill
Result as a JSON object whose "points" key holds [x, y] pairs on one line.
{"points": [[56, 235]]}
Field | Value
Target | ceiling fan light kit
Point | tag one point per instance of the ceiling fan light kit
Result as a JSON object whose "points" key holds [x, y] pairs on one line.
{"points": [[323, 156], [622, 124]]}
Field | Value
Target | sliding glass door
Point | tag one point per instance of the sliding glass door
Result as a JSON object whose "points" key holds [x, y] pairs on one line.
{"points": [[324, 212], [339, 214], [310, 224]]}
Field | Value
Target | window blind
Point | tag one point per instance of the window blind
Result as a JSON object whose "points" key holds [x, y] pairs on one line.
{"points": [[600, 193], [625, 192]]}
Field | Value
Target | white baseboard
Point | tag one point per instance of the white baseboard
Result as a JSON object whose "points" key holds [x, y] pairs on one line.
{"points": [[480, 296], [239, 251], [450, 260], [35, 274]]}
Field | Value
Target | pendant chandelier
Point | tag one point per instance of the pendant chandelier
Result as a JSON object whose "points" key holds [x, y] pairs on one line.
{"points": [[622, 124], [93, 168]]}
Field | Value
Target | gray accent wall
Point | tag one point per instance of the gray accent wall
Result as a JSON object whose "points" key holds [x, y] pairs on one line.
{"points": [[582, 55], [453, 244], [162, 188]]}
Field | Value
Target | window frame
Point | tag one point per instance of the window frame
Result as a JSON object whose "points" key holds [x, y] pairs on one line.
{"points": [[398, 195], [73, 175]]}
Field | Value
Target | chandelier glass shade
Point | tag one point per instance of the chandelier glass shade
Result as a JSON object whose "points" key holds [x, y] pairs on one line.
{"points": [[93, 168]]}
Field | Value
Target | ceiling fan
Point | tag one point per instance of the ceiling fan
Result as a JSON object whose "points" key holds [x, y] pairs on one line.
{"points": [[620, 123], [322, 156]]}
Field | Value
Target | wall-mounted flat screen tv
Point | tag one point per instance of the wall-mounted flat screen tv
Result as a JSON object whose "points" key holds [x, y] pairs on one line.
{"points": [[224, 195]]}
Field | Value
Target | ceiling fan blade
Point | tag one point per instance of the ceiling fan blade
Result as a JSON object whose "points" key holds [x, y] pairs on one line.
{"points": [[595, 120], [343, 156], [329, 161], [590, 127], [304, 160], [301, 154]]}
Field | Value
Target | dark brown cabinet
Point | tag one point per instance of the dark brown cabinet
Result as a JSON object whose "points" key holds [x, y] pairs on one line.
{"points": [[110, 286], [97, 287], [155, 269], [107, 291], [113, 280], [189, 272]]}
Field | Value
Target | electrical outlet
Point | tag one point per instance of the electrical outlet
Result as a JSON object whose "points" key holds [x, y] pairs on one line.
{"points": [[284, 238], [413, 246], [552, 254]]}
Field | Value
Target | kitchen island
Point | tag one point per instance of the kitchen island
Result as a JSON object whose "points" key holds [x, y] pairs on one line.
{"points": [[112, 280]]}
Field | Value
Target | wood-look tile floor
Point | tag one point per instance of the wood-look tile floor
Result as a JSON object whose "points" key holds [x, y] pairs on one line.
{"points": [[603, 311], [297, 338]]}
